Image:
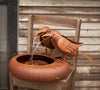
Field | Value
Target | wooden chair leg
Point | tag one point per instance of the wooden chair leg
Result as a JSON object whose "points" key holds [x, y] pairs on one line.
{"points": [[11, 81], [12, 87], [73, 83]]}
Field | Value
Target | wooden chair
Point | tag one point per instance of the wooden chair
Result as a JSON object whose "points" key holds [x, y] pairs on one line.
{"points": [[67, 83]]}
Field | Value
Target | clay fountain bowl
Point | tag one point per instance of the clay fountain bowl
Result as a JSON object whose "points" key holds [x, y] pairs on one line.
{"points": [[42, 68]]}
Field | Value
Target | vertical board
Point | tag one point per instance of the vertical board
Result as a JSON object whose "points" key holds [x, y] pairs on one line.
{"points": [[12, 30], [8, 38], [3, 46]]}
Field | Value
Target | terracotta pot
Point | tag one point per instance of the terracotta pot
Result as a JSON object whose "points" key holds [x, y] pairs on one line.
{"points": [[52, 70]]}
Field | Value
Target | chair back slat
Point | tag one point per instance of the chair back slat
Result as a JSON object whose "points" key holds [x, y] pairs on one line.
{"points": [[56, 21]]}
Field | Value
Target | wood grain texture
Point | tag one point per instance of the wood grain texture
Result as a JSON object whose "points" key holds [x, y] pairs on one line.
{"points": [[85, 33], [84, 18], [80, 77], [87, 83], [90, 88], [54, 21], [83, 48], [95, 26], [23, 40], [30, 34], [59, 10], [88, 69], [11, 81], [71, 3], [3, 56]]}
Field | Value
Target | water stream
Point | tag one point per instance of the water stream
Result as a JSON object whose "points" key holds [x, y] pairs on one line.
{"points": [[34, 49]]}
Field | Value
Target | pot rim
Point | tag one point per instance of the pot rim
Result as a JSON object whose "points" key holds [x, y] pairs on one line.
{"points": [[51, 57]]}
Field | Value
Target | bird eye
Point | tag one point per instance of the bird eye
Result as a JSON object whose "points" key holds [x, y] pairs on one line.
{"points": [[53, 34], [47, 30]]}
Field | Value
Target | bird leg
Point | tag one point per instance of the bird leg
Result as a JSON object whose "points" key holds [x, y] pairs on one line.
{"points": [[64, 58], [51, 51], [46, 50]]}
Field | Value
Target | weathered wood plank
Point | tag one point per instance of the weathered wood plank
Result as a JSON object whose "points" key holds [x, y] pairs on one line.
{"points": [[20, 88], [84, 18], [3, 88], [94, 55], [71, 3], [59, 10], [3, 74], [90, 88], [56, 21], [3, 28], [3, 56], [70, 33], [87, 84], [90, 48], [23, 40], [83, 48], [24, 25], [88, 69], [80, 77], [30, 33], [22, 52], [86, 62]]}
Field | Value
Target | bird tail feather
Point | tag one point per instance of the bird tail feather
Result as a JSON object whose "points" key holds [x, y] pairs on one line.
{"points": [[86, 56]]}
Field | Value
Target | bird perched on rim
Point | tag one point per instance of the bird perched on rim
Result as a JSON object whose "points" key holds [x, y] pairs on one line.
{"points": [[48, 42], [64, 45]]}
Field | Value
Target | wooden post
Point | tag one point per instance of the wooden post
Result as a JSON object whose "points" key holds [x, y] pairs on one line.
{"points": [[77, 35], [12, 32], [30, 34], [12, 87], [11, 81]]}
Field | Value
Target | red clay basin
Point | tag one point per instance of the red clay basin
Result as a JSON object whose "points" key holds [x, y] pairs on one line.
{"points": [[42, 68]]}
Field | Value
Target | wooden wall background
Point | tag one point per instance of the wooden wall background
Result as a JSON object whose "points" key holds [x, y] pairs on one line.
{"points": [[88, 74]]}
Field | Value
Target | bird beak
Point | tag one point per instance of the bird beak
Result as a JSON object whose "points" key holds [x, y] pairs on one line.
{"points": [[42, 31], [39, 33], [47, 34]]}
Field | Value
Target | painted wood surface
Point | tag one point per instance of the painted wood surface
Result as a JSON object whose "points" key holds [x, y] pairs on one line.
{"points": [[88, 11], [3, 47]]}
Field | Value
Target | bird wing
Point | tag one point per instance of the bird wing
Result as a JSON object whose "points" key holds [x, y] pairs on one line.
{"points": [[67, 46], [71, 40], [64, 45]]}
